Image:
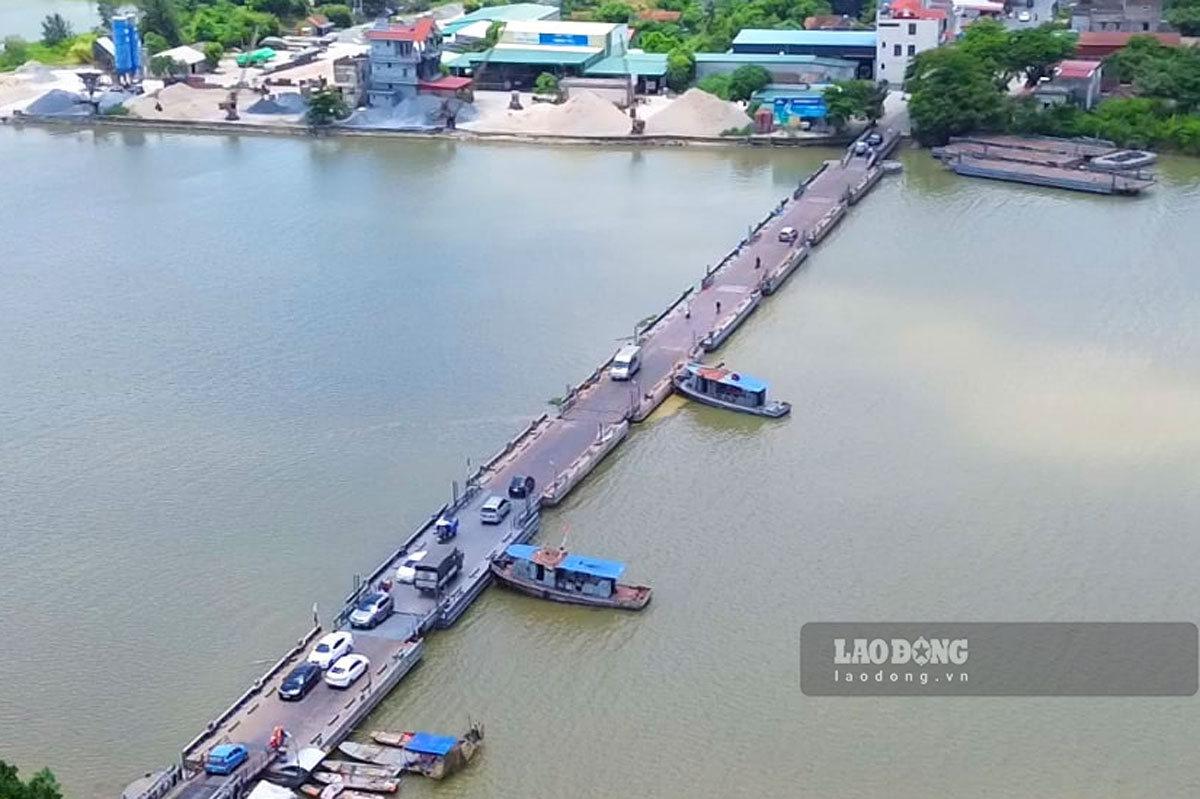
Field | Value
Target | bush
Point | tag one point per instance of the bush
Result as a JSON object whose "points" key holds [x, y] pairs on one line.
{"points": [[742, 131], [326, 106], [15, 52], [681, 68], [746, 80], [614, 11], [546, 84], [80, 52], [212, 54], [155, 43], [337, 14], [715, 84]]}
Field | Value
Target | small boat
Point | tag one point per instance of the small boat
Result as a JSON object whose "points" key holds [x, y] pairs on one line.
{"points": [[398, 739], [552, 573], [351, 769], [722, 388], [357, 783], [333, 792], [433, 756]]}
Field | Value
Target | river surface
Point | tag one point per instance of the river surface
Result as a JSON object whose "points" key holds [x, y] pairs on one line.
{"points": [[24, 17], [235, 371]]}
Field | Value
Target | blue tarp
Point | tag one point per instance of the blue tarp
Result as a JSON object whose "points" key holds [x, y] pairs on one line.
{"points": [[739, 380], [522, 551], [426, 743], [609, 569]]}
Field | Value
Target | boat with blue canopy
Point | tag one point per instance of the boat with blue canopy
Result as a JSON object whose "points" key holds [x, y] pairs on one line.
{"points": [[553, 573], [733, 391], [425, 753]]}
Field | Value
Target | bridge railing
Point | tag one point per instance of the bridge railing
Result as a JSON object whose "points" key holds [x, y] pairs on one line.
{"points": [[163, 785]]}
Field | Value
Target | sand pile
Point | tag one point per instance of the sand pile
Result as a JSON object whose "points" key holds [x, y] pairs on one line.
{"points": [[423, 112], [697, 113], [59, 103], [35, 71], [180, 101], [585, 114]]}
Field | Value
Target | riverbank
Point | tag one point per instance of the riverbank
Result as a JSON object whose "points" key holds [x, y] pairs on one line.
{"points": [[299, 130]]}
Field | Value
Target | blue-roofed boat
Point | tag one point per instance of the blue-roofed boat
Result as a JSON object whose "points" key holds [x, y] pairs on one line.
{"points": [[553, 573], [733, 391], [433, 756]]}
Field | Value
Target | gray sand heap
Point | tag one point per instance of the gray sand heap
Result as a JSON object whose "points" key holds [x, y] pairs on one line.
{"points": [[59, 103], [287, 103], [423, 112], [697, 113]]}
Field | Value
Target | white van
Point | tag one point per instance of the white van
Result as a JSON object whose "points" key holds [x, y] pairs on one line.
{"points": [[626, 362]]}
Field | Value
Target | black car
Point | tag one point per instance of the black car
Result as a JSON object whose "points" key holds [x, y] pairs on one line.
{"points": [[520, 486], [874, 139], [299, 682]]}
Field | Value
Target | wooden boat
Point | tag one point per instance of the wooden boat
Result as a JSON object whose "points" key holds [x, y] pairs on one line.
{"points": [[357, 783], [351, 769], [374, 753], [722, 388], [552, 573], [433, 756], [398, 739], [333, 792]]}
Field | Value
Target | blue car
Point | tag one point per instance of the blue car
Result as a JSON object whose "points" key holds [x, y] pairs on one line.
{"points": [[225, 759]]}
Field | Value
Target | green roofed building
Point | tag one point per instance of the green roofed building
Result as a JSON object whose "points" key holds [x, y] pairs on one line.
{"points": [[647, 70], [521, 12], [526, 49]]}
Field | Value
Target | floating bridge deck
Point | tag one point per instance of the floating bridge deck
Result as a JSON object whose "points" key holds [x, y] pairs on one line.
{"points": [[558, 451]]}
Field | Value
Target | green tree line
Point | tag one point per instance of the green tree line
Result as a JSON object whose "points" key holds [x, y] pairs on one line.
{"points": [[963, 87]]}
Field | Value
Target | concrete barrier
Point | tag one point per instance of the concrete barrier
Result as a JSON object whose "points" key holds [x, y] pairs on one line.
{"points": [[827, 223], [779, 275], [865, 185], [583, 465], [654, 397], [161, 786], [743, 310]]}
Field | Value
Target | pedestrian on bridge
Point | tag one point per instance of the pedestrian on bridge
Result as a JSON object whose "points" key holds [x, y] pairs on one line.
{"points": [[757, 261], [718, 306]]}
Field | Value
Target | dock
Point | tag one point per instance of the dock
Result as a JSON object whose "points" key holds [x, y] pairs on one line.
{"points": [[1079, 165], [558, 451]]}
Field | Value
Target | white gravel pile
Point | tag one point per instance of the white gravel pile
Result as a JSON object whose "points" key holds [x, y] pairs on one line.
{"points": [[697, 113], [585, 114]]}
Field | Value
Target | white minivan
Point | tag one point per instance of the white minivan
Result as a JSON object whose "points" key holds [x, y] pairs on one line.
{"points": [[626, 362]]}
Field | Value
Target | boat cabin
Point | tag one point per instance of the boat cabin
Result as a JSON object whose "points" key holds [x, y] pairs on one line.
{"points": [[555, 568], [728, 386], [436, 754]]}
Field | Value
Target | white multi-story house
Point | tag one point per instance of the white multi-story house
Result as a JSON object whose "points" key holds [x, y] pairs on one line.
{"points": [[401, 57], [903, 29]]}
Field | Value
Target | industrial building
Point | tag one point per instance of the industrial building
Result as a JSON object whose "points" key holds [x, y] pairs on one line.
{"points": [[856, 46], [794, 105], [405, 60], [461, 32], [1075, 82], [793, 69], [528, 48]]}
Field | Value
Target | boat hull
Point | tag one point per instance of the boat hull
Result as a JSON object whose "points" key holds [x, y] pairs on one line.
{"points": [[772, 410], [629, 597], [357, 783], [349, 769]]}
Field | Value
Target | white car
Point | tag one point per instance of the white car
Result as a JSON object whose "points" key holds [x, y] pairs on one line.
{"points": [[330, 648], [788, 235], [346, 670], [407, 570], [494, 509], [1023, 16]]}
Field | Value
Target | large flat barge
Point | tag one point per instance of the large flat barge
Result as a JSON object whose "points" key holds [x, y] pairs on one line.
{"points": [[557, 451]]}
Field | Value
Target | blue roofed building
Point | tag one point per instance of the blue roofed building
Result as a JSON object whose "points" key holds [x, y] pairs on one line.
{"points": [[856, 46]]}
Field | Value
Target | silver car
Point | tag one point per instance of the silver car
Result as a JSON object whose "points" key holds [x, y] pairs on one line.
{"points": [[371, 609], [495, 509]]}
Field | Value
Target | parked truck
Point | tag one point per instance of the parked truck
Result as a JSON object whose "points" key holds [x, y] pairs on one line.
{"points": [[438, 569]]}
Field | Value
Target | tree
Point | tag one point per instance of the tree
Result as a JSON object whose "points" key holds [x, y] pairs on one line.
{"points": [[107, 10], [161, 17], [1184, 15], [950, 93], [337, 14], [280, 8], [155, 43], [614, 11], [659, 42], [987, 40], [1034, 50], [681, 67], [163, 66], [15, 52], [854, 99], [212, 54], [41, 786], [326, 106], [746, 80], [717, 85], [546, 83], [55, 30]]}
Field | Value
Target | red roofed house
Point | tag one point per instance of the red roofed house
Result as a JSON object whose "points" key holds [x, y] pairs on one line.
{"points": [[1075, 81], [903, 29], [1103, 44], [401, 58]]}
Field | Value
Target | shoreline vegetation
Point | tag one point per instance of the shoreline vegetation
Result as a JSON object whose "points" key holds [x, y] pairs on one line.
{"points": [[963, 88]]}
